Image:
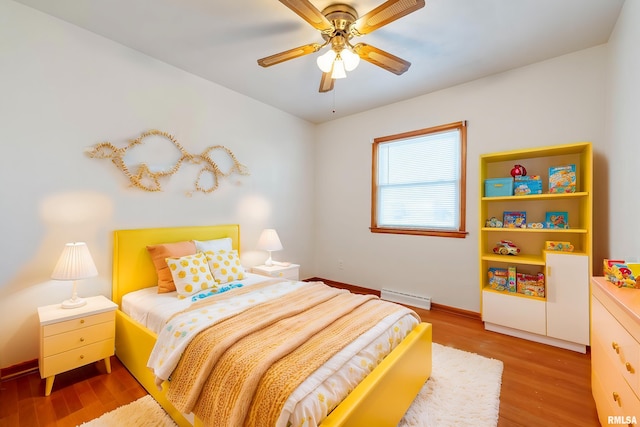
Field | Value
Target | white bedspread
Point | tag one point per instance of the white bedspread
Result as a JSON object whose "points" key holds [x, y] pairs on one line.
{"points": [[311, 402]]}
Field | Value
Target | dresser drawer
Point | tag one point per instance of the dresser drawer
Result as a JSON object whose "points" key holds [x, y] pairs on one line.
{"points": [[54, 344], [612, 394], [617, 345], [605, 404], [287, 274], [77, 357], [290, 272], [80, 322]]}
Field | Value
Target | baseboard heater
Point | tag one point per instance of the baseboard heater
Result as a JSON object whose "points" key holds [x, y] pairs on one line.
{"points": [[405, 298]]}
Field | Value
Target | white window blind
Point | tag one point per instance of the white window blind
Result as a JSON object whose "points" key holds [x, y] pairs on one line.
{"points": [[418, 182]]}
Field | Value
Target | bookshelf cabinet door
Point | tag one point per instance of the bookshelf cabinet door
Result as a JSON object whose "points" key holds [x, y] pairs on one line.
{"points": [[568, 297]]}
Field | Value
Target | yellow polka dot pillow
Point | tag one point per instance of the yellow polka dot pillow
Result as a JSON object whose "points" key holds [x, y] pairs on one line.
{"points": [[191, 274], [225, 265]]}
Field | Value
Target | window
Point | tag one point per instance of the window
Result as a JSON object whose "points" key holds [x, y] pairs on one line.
{"points": [[419, 182]]}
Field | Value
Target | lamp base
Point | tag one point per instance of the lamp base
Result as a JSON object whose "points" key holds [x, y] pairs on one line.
{"points": [[73, 303], [269, 261]]}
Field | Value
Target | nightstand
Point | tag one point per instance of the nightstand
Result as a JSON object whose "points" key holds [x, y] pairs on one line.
{"points": [[291, 271], [70, 338]]}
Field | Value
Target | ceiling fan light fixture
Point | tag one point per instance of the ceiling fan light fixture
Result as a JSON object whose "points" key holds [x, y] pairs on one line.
{"points": [[350, 59], [325, 61], [338, 69], [338, 23]]}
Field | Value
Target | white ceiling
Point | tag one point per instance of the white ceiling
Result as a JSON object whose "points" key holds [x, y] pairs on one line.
{"points": [[448, 42]]}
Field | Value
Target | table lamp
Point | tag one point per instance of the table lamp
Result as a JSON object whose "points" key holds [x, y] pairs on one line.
{"points": [[269, 241], [75, 263]]}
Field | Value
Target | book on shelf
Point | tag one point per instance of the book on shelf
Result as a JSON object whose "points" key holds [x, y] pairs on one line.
{"points": [[514, 219]]}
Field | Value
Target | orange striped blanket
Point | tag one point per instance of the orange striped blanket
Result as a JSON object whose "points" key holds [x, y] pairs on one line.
{"points": [[241, 370]]}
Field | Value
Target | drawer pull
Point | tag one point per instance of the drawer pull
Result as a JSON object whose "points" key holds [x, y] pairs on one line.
{"points": [[616, 398], [82, 357], [629, 367], [615, 346], [82, 340], [81, 320]]}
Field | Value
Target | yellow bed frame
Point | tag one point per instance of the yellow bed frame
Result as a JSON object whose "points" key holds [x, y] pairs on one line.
{"points": [[380, 400]]}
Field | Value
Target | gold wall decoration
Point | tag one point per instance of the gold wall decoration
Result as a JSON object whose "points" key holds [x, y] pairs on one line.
{"points": [[141, 176]]}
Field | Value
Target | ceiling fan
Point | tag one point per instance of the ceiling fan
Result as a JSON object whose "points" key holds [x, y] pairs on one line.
{"points": [[338, 24]]}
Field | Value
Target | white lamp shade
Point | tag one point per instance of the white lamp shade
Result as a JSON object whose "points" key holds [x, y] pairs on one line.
{"points": [[338, 69], [269, 240], [325, 61], [351, 60], [75, 263]]}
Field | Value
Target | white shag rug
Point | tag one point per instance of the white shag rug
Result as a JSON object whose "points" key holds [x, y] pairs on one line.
{"points": [[144, 412], [463, 390]]}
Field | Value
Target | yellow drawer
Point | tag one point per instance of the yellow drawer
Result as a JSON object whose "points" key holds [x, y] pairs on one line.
{"points": [[54, 344], [75, 358], [617, 344], [605, 405], [612, 394], [81, 322]]}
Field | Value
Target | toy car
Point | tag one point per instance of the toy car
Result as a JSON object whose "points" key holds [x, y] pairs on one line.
{"points": [[506, 247], [493, 222]]}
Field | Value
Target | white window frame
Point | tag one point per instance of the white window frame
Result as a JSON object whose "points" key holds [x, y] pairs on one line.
{"points": [[457, 231]]}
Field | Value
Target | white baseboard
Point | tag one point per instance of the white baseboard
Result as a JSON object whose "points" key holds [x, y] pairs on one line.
{"points": [[405, 298]]}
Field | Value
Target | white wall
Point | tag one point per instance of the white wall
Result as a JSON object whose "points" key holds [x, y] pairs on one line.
{"points": [[621, 203], [553, 102], [62, 90]]}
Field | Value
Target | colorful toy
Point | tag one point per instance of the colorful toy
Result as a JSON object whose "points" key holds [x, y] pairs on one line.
{"points": [[506, 247], [515, 219], [493, 222], [535, 225], [556, 220], [530, 284], [562, 179], [518, 170], [552, 245], [498, 278], [527, 184], [619, 273], [512, 283]]}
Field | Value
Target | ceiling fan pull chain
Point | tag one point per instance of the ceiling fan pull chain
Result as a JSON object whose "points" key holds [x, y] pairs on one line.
{"points": [[333, 110]]}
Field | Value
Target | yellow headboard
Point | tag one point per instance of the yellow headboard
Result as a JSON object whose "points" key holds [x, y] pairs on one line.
{"points": [[132, 265]]}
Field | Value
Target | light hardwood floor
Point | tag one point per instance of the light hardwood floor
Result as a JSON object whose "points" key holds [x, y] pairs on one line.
{"points": [[541, 385]]}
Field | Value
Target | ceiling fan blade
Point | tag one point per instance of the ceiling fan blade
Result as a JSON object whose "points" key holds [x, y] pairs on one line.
{"points": [[385, 13], [381, 58], [309, 13], [289, 54], [326, 83]]}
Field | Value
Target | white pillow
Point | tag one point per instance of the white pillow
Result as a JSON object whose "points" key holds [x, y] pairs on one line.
{"points": [[215, 245], [225, 265], [191, 274]]}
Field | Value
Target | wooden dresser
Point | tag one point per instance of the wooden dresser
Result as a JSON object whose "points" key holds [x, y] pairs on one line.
{"points": [[615, 352]]}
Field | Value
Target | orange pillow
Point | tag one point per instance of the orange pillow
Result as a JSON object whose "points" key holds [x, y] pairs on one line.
{"points": [[159, 253]]}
